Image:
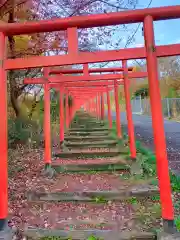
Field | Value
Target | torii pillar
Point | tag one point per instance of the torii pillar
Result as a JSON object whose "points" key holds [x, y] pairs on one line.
{"points": [[158, 126], [118, 123], [61, 115], [47, 122], [102, 105], [129, 111], [67, 110], [109, 108]]}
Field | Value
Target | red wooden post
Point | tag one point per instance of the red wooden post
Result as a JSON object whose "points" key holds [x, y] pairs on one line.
{"points": [[118, 122], [96, 106], [70, 114], [3, 139], [67, 110], [158, 126], [91, 102], [90, 106], [109, 108], [85, 106], [72, 40], [47, 121], [99, 105], [61, 114], [97, 102], [102, 105], [129, 111]]}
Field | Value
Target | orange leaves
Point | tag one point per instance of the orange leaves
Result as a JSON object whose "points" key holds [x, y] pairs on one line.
{"points": [[21, 42], [134, 69], [26, 45]]}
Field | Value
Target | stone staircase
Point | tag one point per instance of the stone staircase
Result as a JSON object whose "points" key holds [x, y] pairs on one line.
{"points": [[89, 197]]}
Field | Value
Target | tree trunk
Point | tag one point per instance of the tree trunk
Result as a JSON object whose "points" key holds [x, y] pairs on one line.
{"points": [[14, 94], [14, 90]]}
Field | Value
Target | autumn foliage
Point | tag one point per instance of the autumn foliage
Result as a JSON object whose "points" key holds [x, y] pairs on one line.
{"points": [[56, 42]]}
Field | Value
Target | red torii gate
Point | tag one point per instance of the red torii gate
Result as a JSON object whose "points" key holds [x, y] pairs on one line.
{"points": [[69, 113], [90, 92], [150, 52], [86, 72], [82, 84], [106, 90], [87, 80], [90, 95], [73, 84]]}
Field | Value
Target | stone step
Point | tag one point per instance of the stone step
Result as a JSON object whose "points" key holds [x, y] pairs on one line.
{"points": [[86, 153], [88, 129], [91, 123], [94, 133], [36, 233], [88, 148], [106, 167], [87, 125], [95, 196], [87, 138], [88, 121], [91, 144]]}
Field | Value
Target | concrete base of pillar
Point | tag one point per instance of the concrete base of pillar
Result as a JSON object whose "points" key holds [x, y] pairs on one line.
{"points": [[48, 171], [136, 168], [63, 146]]}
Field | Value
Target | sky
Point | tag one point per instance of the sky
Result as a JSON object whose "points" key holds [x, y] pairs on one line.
{"points": [[166, 32]]}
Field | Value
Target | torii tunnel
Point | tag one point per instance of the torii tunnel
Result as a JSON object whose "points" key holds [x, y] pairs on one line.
{"points": [[150, 52]]}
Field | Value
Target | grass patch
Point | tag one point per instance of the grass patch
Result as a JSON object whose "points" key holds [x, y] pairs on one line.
{"points": [[148, 162], [177, 222]]}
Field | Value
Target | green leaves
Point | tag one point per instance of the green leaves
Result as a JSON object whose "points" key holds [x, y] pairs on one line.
{"points": [[175, 182], [177, 222]]}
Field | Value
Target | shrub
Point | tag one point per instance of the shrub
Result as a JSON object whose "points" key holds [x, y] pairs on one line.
{"points": [[23, 131]]}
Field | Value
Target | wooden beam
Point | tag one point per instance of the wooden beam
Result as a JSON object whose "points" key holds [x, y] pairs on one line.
{"points": [[89, 21], [90, 57], [66, 79]]}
